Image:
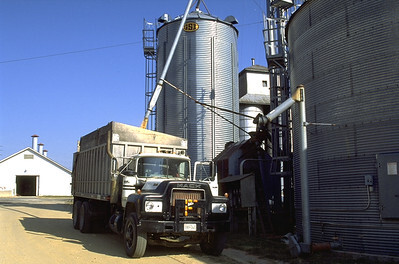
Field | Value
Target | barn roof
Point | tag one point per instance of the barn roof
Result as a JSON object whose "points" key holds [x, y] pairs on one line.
{"points": [[36, 154]]}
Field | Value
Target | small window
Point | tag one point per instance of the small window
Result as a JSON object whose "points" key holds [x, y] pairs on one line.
{"points": [[264, 83], [392, 168], [28, 156]]}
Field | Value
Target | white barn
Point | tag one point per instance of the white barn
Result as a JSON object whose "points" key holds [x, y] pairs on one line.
{"points": [[31, 173]]}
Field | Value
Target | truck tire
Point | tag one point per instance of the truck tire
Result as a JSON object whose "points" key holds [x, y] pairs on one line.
{"points": [[214, 245], [75, 214], [135, 241], [84, 218]]}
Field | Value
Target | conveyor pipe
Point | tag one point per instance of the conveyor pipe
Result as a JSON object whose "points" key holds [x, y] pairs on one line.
{"points": [[158, 88]]}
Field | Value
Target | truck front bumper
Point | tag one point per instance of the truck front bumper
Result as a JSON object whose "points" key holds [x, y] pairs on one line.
{"points": [[154, 226], [186, 220]]}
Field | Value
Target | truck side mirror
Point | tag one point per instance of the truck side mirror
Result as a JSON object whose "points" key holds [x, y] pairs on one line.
{"points": [[129, 173]]}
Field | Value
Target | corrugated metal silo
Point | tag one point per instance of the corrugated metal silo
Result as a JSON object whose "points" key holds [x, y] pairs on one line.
{"points": [[205, 66], [346, 54]]}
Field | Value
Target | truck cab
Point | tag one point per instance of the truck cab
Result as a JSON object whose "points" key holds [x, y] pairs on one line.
{"points": [[152, 167], [162, 206]]}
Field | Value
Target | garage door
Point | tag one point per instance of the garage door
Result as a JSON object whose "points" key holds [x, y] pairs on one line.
{"points": [[26, 185]]}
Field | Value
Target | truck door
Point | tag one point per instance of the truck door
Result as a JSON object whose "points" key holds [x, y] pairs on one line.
{"points": [[204, 171]]}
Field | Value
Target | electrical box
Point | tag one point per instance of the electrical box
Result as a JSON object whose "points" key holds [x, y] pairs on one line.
{"points": [[368, 180], [388, 182], [248, 193]]}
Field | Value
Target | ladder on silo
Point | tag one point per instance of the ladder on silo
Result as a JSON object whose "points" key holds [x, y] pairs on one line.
{"points": [[275, 20], [149, 47]]}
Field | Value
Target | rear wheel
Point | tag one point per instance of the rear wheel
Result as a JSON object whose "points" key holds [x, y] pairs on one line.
{"points": [[75, 214], [214, 245], [84, 218], [135, 241]]}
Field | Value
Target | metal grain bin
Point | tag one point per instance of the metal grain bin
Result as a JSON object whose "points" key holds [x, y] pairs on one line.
{"points": [[205, 66], [346, 54]]}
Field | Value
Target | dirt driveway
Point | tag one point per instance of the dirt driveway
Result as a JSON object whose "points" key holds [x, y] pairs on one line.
{"points": [[39, 230]]}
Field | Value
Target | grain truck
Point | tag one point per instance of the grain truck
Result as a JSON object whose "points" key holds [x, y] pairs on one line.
{"points": [[136, 182]]}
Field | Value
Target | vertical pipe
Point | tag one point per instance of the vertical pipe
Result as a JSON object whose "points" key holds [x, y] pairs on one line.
{"points": [[303, 147], [41, 148], [34, 142]]}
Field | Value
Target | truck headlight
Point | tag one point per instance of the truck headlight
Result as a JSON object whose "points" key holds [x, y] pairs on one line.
{"points": [[219, 208], [153, 206]]}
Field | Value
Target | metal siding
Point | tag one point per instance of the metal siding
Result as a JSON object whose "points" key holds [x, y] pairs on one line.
{"points": [[92, 176], [346, 55], [205, 65]]}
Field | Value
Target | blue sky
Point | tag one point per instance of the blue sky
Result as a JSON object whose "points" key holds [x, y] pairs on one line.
{"points": [[97, 73]]}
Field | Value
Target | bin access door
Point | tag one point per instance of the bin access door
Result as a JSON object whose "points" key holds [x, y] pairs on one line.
{"points": [[388, 181]]}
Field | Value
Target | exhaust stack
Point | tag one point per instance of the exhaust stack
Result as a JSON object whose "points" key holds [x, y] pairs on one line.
{"points": [[34, 142], [41, 148]]}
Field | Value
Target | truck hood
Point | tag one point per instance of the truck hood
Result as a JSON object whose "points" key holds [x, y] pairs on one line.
{"points": [[152, 184], [160, 186]]}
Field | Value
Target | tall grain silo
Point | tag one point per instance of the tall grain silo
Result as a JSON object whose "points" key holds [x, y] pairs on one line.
{"points": [[205, 66], [346, 54]]}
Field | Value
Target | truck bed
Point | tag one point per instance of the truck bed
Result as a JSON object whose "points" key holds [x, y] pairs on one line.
{"points": [[93, 169]]}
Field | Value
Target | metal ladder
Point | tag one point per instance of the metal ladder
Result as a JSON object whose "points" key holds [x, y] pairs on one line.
{"points": [[275, 19], [150, 48]]}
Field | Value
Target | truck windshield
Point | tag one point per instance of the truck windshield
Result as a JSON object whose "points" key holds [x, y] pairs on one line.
{"points": [[163, 167]]}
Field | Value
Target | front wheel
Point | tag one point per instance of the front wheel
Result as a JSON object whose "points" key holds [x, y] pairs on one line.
{"points": [[135, 241], [214, 244]]}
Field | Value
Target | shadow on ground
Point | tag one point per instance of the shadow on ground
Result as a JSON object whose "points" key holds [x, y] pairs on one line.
{"points": [[57, 204], [102, 242]]}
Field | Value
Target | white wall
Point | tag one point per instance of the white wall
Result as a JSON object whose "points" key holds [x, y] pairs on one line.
{"points": [[255, 83], [52, 179]]}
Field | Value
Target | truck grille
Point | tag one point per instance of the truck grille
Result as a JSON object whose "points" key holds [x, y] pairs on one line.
{"points": [[178, 194]]}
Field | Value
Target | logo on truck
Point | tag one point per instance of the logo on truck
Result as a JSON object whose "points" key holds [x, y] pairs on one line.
{"points": [[189, 185]]}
